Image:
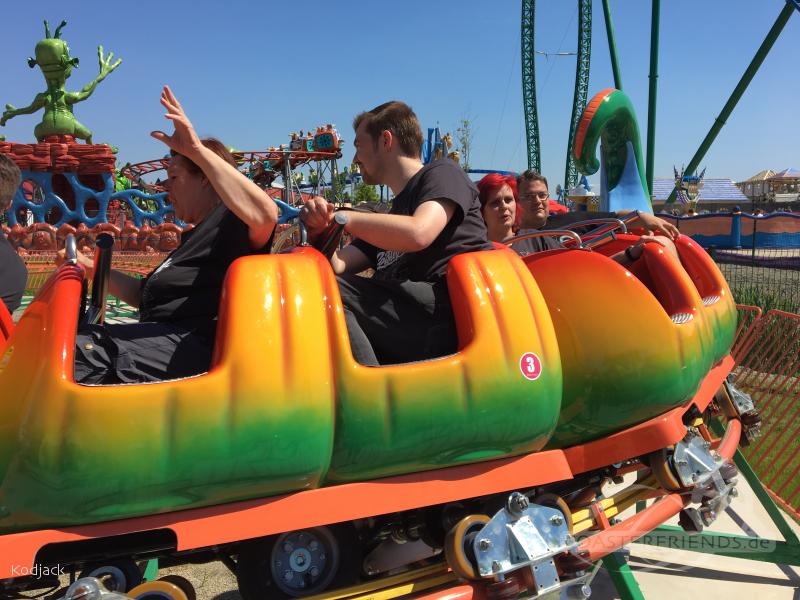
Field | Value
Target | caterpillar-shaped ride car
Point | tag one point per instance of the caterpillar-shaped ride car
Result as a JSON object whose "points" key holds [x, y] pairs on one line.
{"points": [[481, 473]]}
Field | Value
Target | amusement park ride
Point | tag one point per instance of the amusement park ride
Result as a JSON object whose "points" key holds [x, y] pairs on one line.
{"points": [[482, 474]]}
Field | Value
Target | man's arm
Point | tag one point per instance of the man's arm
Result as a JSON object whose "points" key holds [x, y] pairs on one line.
{"points": [[643, 220], [401, 233], [397, 233], [653, 223]]}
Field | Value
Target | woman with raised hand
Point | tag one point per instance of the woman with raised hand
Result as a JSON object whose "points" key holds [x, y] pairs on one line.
{"points": [[179, 300]]}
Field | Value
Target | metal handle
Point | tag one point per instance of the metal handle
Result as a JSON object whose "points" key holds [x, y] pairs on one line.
{"points": [[618, 224], [71, 250], [288, 212], [560, 233], [603, 234], [104, 243]]}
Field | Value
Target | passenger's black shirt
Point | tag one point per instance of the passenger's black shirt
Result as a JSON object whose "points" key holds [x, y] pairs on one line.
{"points": [[13, 275], [185, 289], [465, 232], [558, 221], [533, 245]]}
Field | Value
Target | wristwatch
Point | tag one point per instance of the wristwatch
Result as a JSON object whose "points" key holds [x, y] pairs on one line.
{"points": [[341, 218]]}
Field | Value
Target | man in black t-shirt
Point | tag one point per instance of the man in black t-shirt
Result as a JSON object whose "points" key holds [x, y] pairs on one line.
{"points": [[13, 274], [403, 312]]}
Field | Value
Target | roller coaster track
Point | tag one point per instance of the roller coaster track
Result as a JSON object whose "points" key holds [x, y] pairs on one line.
{"points": [[529, 83], [243, 158]]}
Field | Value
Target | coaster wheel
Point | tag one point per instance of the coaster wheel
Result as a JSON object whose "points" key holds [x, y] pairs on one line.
{"points": [[117, 575], [661, 466], [183, 583], [459, 546], [297, 563], [158, 590], [557, 502]]}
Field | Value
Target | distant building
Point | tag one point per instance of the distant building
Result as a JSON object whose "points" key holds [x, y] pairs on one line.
{"points": [[785, 187], [716, 195], [756, 188], [772, 191]]}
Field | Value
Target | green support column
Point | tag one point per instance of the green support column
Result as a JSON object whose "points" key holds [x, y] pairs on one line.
{"points": [[581, 86], [746, 471], [752, 69], [151, 570], [622, 576], [612, 45], [651, 108], [529, 84]]}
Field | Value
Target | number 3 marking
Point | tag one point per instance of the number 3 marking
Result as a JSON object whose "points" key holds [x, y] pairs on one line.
{"points": [[530, 365]]}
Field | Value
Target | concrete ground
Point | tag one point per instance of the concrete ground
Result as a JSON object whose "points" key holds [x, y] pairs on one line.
{"points": [[670, 573]]}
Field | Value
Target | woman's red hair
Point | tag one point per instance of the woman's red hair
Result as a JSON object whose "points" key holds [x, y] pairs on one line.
{"points": [[491, 183]]}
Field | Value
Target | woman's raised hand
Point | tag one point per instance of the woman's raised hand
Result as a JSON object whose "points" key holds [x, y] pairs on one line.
{"points": [[184, 140]]}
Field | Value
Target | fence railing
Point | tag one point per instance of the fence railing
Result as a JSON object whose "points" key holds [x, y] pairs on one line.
{"points": [[767, 353], [765, 277]]}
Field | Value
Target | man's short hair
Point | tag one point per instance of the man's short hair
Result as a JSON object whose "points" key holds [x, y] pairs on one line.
{"points": [[397, 117], [531, 175], [9, 181]]}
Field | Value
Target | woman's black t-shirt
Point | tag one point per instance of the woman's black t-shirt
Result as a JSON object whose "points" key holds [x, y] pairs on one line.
{"points": [[464, 232], [13, 275], [185, 289]]}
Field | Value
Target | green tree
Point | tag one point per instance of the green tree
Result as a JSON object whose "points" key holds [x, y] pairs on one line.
{"points": [[464, 135], [340, 194], [365, 193], [313, 177]]}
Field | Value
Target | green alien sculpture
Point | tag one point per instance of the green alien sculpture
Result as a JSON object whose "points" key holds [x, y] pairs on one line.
{"points": [[52, 56]]}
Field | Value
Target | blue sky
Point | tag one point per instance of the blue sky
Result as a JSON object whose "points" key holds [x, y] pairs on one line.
{"points": [[252, 72]]}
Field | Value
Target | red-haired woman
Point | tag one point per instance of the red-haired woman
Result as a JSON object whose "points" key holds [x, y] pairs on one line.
{"points": [[499, 205]]}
